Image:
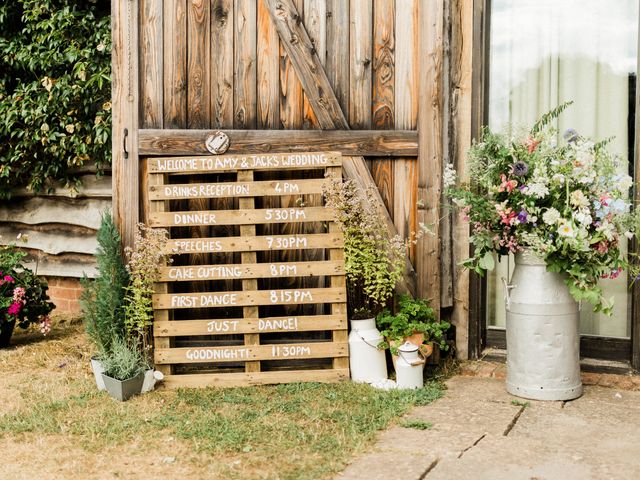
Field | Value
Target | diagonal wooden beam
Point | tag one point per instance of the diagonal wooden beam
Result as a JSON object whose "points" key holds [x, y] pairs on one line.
{"points": [[295, 40]]}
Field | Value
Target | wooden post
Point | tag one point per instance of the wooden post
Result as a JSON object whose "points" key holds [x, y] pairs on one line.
{"points": [[125, 174]]}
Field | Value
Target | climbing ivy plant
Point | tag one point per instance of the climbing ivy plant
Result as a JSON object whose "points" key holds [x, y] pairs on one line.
{"points": [[55, 84]]}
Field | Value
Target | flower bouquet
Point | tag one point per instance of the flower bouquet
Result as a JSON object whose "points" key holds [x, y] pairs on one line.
{"points": [[566, 203], [23, 296]]}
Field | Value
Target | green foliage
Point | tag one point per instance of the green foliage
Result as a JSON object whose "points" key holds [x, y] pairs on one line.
{"points": [[373, 262], [102, 300], [417, 424], [147, 254], [55, 88], [124, 361], [413, 316]]}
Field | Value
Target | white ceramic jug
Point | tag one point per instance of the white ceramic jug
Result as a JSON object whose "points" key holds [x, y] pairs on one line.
{"points": [[409, 366], [366, 360]]}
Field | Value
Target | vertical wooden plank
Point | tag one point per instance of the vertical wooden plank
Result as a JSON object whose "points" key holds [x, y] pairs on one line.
{"points": [[315, 20], [430, 148], [159, 315], [360, 41], [383, 105], [151, 70], [291, 99], [459, 141], [244, 84], [175, 63], [337, 62], [251, 284], [268, 70], [199, 66], [124, 96], [406, 114], [338, 281], [222, 63]]}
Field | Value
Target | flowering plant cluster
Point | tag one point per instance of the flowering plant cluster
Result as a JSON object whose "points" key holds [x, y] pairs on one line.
{"points": [[23, 296], [567, 203]]}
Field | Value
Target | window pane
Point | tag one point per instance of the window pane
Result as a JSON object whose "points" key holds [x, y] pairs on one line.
{"points": [[545, 52]]}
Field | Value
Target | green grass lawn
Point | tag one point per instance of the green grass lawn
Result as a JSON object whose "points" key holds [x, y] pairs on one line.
{"points": [[296, 431]]}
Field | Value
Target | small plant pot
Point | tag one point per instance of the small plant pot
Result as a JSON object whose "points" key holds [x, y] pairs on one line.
{"points": [[5, 333], [98, 370], [123, 390]]}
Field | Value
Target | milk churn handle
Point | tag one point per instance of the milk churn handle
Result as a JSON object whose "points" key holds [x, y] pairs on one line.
{"points": [[420, 361], [363, 339], [507, 292]]}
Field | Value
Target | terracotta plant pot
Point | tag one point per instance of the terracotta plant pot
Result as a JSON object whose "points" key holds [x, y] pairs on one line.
{"points": [[426, 349]]}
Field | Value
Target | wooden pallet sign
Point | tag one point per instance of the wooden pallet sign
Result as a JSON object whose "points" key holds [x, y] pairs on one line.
{"points": [[256, 293]]}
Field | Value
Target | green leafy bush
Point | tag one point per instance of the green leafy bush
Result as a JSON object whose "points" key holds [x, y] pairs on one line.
{"points": [[55, 110], [102, 299], [413, 316]]}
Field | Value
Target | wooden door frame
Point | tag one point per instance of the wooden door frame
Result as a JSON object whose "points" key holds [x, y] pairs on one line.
{"points": [[598, 347]]}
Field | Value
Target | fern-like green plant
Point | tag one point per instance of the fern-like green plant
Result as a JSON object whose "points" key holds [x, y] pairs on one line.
{"points": [[102, 299]]}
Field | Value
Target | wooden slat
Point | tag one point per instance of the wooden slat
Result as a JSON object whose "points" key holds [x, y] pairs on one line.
{"points": [[39, 211], [222, 62], [315, 21], [191, 273], [406, 112], [361, 56], [151, 70], [260, 243], [241, 217], [291, 98], [232, 163], [124, 97], [337, 63], [250, 353], [268, 71], [242, 299], [403, 143], [461, 71], [244, 98], [250, 284], [159, 288], [383, 101], [226, 326], [430, 115], [248, 379], [199, 64], [53, 241], [175, 63], [90, 187], [235, 189]]}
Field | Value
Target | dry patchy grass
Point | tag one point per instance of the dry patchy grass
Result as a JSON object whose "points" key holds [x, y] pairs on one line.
{"points": [[54, 416]]}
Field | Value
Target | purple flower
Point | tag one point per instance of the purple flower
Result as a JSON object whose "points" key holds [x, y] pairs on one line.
{"points": [[570, 135], [522, 216], [520, 168]]}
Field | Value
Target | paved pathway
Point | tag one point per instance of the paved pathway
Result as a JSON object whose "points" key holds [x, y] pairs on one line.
{"points": [[478, 433]]}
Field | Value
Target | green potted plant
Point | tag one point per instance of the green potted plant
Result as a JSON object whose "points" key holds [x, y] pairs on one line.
{"points": [[414, 322], [23, 296], [102, 300], [124, 369]]}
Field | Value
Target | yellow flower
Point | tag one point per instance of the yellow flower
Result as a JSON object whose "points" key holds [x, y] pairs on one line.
{"points": [[106, 106], [70, 128]]}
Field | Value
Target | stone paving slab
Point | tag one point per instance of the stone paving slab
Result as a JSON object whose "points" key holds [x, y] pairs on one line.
{"points": [[479, 433]]}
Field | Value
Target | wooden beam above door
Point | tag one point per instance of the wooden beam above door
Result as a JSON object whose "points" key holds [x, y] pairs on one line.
{"points": [[376, 143]]}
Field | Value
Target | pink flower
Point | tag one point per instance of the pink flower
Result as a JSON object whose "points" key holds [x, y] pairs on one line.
{"points": [[18, 294], [8, 279], [507, 185], [45, 324], [14, 308], [531, 144]]}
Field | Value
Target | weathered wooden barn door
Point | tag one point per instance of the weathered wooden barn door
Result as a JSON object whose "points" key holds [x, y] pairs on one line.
{"points": [[361, 77]]}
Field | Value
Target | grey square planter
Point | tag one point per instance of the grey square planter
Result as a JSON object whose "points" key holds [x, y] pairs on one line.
{"points": [[123, 390]]}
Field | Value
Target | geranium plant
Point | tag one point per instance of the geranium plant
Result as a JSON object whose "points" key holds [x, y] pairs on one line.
{"points": [[568, 203], [23, 295]]}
